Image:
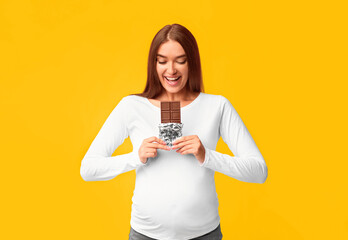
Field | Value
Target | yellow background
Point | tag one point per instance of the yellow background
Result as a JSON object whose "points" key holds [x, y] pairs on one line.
{"points": [[66, 64]]}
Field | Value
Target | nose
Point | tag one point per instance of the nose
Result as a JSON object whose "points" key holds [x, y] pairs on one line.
{"points": [[171, 69]]}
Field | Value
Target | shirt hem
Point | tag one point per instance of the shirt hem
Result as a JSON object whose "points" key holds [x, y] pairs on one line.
{"points": [[183, 238]]}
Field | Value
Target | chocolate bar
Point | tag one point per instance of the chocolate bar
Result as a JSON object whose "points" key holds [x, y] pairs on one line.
{"points": [[170, 112], [170, 127]]}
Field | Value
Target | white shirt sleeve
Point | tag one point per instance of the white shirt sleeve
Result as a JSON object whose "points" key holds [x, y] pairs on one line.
{"points": [[248, 164], [98, 164]]}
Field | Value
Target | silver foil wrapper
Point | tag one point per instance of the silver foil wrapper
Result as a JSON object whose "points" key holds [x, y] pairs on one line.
{"points": [[169, 132]]}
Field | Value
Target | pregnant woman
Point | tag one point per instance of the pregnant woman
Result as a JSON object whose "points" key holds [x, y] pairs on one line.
{"points": [[175, 196]]}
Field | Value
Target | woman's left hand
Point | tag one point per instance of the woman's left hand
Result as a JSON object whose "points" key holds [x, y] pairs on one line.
{"points": [[190, 144]]}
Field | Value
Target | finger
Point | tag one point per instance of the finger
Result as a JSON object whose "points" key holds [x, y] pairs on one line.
{"points": [[187, 151], [157, 145], [185, 148], [154, 139], [179, 140], [191, 145], [175, 146], [185, 138], [150, 154]]}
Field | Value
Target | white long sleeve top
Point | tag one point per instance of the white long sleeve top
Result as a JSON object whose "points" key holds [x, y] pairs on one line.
{"points": [[175, 196]]}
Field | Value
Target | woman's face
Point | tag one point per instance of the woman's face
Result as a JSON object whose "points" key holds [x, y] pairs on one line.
{"points": [[172, 63]]}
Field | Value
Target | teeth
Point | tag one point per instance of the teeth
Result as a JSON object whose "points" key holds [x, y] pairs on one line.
{"points": [[172, 79]]}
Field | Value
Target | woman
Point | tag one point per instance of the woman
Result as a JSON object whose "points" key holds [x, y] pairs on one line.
{"points": [[174, 195]]}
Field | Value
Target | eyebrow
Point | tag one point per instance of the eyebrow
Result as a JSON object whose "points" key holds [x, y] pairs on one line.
{"points": [[184, 55]]}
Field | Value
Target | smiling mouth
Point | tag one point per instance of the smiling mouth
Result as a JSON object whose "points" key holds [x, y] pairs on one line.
{"points": [[174, 82], [172, 79]]}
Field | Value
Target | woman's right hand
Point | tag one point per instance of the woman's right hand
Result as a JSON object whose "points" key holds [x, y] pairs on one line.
{"points": [[149, 148]]}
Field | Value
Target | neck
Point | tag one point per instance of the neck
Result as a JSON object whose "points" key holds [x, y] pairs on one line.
{"points": [[180, 96]]}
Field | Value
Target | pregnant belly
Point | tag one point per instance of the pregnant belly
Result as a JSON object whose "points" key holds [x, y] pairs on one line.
{"points": [[175, 195]]}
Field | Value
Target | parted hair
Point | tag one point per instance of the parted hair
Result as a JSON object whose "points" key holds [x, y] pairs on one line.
{"points": [[182, 35]]}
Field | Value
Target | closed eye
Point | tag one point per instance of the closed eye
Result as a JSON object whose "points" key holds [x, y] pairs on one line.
{"points": [[177, 62]]}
